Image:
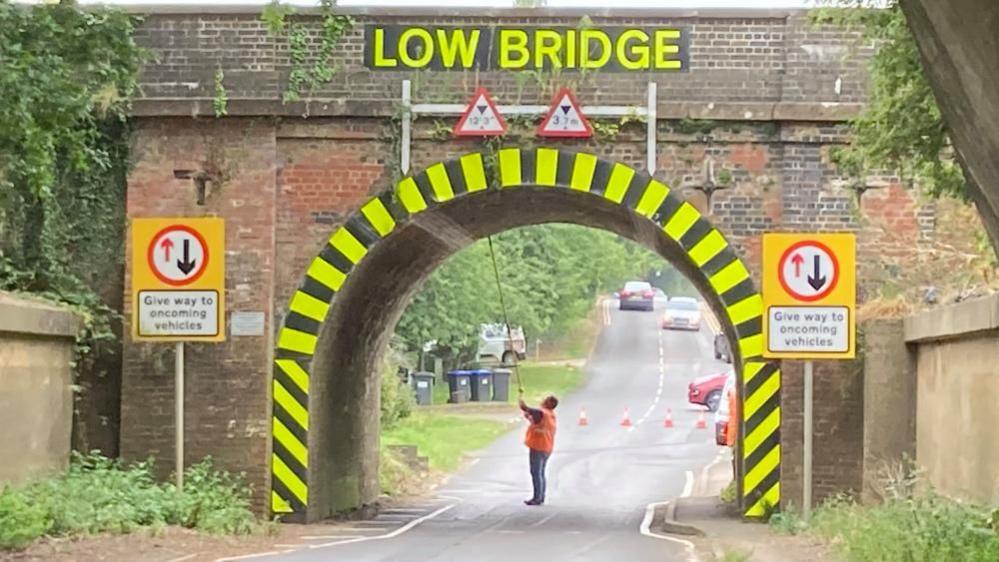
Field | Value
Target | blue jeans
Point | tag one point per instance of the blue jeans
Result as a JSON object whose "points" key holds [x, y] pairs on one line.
{"points": [[539, 461]]}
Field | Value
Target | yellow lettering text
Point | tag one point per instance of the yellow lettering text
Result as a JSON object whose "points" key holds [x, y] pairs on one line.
{"points": [[633, 49], [380, 60], [457, 45], [587, 57], [425, 52], [513, 51], [547, 44], [570, 48], [664, 47]]}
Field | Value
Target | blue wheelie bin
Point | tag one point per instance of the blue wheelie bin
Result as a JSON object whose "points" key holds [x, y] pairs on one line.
{"points": [[460, 386]]}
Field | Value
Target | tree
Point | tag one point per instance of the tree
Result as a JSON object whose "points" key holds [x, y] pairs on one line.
{"points": [[550, 274]]}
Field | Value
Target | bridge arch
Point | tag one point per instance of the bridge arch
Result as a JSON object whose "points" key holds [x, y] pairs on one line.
{"points": [[324, 425]]}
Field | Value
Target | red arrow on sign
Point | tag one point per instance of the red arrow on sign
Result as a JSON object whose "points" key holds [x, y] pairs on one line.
{"points": [[797, 260], [166, 244]]}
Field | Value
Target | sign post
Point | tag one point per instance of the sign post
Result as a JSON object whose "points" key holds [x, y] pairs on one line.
{"points": [[178, 294], [809, 298]]}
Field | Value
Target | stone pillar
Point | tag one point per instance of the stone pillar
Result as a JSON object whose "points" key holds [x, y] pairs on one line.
{"points": [[889, 402]]}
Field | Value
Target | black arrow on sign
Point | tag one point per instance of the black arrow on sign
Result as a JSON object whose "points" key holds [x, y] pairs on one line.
{"points": [[187, 265], [817, 280]]}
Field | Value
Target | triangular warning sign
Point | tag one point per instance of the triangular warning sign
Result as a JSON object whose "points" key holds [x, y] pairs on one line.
{"points": [[565, 118], [480, 118]]}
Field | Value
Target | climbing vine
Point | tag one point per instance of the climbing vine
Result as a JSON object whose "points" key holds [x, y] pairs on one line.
{"points": [[901, 128], [220, 103], [311, 65]]}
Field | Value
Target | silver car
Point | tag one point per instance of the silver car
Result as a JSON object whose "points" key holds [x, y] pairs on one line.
{"points": [[682, 313]]}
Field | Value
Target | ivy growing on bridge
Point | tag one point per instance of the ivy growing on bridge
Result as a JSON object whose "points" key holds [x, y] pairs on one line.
{"points": [[901, 128], [311, 67], [66, 76]]}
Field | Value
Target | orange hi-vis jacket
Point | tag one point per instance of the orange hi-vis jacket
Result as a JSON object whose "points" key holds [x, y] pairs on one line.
{"points": [[541, 435], [733, 420]]}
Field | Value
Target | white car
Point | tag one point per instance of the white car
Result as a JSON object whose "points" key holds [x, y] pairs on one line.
{"points": [[721, 414], [682, 313]]}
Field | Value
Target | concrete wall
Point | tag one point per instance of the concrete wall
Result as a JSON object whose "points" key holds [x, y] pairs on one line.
{"points": [[957, 395], [37, 342], [889, 403]]}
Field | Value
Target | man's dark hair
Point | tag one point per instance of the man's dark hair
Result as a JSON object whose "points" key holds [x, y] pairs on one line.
{"points": [[553, 400]]}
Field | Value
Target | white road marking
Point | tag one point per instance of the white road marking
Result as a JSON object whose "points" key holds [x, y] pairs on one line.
{"points": [[248, 556], [342, 529], [405, 528], [659, 389], [650, 511], [688, 485], [328, 537], [543, 521], [182, 558]]}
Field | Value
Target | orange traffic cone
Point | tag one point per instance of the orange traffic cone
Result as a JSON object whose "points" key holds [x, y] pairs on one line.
{"points": [[626, 419], [582, 417], [668, 422], [701, 424]]}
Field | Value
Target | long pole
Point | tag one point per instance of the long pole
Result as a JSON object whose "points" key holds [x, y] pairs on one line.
{"points": [[178, 403], [806, 500]]}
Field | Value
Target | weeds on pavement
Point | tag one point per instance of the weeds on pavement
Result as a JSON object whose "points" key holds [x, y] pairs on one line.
{"points": [[907, 526], [101, 495]]}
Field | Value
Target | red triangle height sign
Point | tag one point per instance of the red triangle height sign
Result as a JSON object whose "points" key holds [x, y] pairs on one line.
{"points": [[565, 118], [480, 118]]}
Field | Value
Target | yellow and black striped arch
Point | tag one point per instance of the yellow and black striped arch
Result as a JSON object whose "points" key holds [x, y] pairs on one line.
{"points": [[585, 174]]}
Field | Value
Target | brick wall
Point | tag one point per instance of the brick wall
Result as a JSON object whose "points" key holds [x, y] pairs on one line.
{"points": [[838, 426], [291, 181], [762, 56], [226, 392]]}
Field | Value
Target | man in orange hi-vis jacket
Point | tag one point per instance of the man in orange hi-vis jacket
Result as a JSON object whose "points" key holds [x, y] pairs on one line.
{"points": [[732, 425], [540, 440]]}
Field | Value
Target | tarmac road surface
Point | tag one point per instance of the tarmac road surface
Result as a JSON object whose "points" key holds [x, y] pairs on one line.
{"points": [[601, 478]]}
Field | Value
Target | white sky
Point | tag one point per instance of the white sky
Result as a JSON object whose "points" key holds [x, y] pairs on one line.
{"points": [[664, 4]]}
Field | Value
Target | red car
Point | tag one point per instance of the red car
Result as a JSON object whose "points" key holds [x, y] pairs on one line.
{"points": [[707, 390]]}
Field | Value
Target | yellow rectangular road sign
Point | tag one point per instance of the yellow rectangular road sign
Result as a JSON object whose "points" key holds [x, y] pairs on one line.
{"points": [[178, 279], [809, 296]]}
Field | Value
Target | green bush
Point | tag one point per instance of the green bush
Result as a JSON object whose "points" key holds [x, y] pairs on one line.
{"points": [[20, 521], [100, 495], [397, 399], [923, 528]]}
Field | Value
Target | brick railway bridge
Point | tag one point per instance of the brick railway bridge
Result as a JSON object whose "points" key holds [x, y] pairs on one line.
{"points": [[329, 238]]}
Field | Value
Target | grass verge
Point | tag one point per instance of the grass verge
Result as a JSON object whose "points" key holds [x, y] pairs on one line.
{"points": [[100, 495], [443, 438], [922, 528], [541, 380]]}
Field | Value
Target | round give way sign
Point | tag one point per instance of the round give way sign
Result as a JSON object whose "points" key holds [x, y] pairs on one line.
{"points": [[808, 271], [178, 255]]}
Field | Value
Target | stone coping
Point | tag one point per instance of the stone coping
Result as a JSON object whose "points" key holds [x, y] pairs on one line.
{"points": [[821, 112], [153, 8], [27, 316], [951, 321]]}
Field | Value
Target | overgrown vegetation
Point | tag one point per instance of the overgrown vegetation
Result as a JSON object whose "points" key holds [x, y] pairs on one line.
{"points": [[65, 77], [901, 128], [311, 57], [100, 495], [911, 524]]}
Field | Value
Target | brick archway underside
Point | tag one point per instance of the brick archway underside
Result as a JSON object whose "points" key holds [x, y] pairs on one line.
{"points": [[325, 422]]}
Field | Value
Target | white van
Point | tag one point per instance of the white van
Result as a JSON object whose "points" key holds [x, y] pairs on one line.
{"points": [[496, 345]]}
